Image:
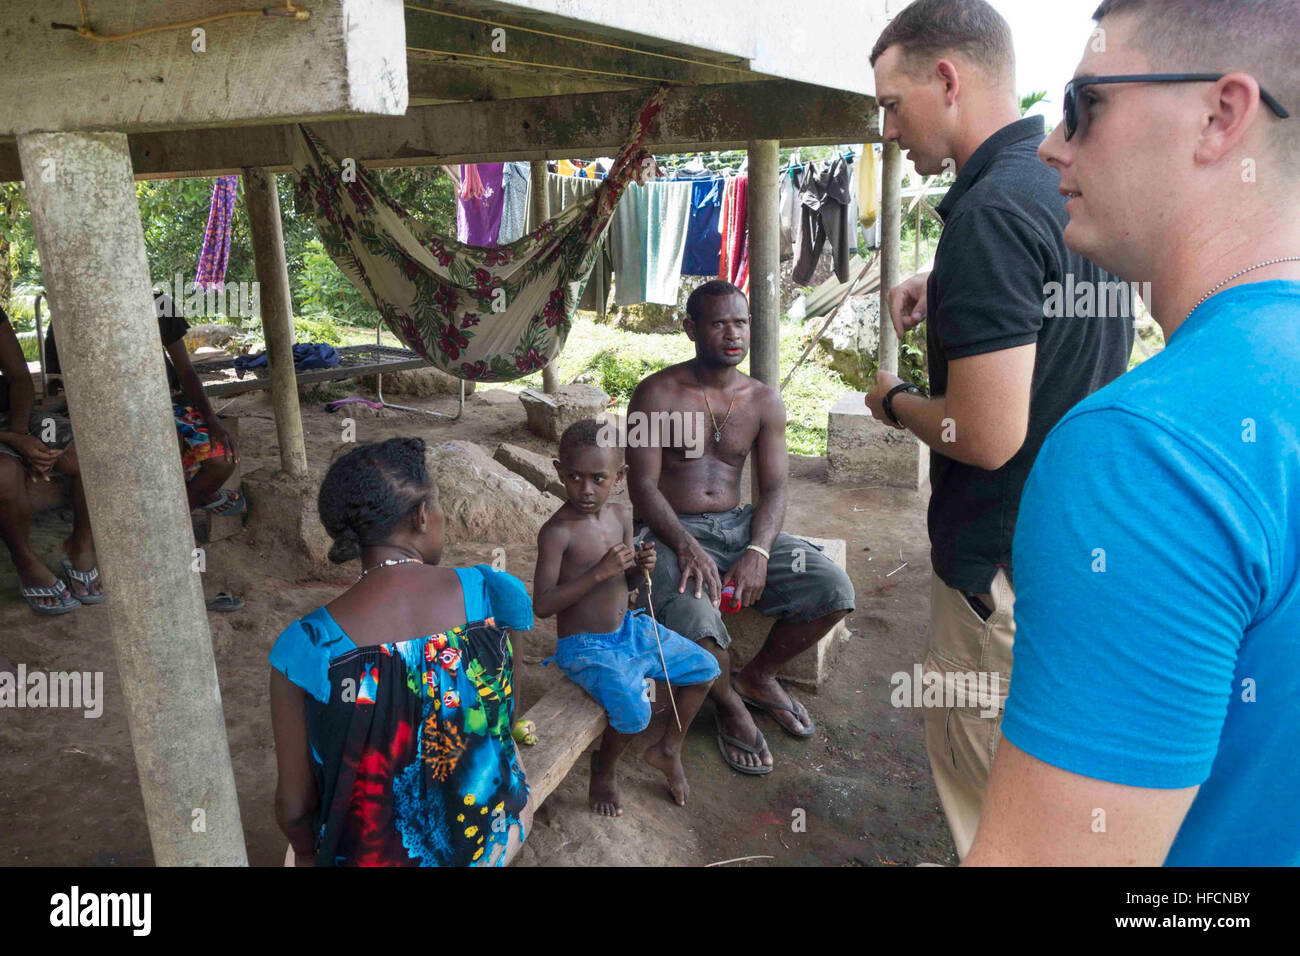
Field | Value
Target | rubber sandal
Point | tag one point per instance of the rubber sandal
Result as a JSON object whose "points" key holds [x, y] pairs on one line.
{"points": [[755, 749], [768, 708], [67, 603], [227, 504], [224, 601], [85, 579]]}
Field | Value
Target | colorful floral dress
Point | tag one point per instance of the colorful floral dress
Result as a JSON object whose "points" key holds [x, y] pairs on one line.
{"points": [[410, 741]]}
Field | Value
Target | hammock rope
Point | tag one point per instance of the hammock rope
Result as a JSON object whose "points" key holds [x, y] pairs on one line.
{"points": [[478, 313]]}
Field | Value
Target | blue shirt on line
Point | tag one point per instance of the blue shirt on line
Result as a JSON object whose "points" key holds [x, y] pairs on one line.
{"points": [[1157, 582]]}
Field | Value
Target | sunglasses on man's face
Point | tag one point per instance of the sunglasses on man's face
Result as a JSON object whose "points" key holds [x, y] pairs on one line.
{"points": [[1076, 119]]}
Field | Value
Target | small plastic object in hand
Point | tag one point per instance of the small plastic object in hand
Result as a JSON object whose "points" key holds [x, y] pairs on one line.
{"points": [[730, 603]]}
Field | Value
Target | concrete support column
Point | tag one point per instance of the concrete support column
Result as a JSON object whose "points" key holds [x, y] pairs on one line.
{"points": [[891, 229], [764, 213], [93, 261], [277, 315], [539, 205]]}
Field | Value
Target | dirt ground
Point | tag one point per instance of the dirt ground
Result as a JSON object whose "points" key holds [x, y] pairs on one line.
{"points": [[69, 794]]}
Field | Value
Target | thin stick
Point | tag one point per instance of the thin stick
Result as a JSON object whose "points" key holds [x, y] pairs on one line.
{"points": [[650, 604]]}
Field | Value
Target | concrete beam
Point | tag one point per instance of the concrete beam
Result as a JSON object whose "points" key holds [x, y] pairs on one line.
{"points": [[348, 58], [97, 277], [589, 124]]}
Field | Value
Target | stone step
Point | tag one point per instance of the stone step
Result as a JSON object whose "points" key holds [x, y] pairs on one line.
{"points": [[863, 450]]}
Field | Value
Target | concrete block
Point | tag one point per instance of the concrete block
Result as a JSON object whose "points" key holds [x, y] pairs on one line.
{"points": [[861, 449], [532, 467], [550, 415], [749, 629]]}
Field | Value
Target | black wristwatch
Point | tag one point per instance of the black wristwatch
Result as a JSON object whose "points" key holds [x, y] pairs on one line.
{"points": [[888, 403]]}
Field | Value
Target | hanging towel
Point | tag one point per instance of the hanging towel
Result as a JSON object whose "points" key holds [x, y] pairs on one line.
{"points": [[515, 184], [562, 192], [824, 214], [215, 254], [733, 263], [478, 217], [440, 296], [865, 174], [649, 239], [788, 218], [703, 241]]}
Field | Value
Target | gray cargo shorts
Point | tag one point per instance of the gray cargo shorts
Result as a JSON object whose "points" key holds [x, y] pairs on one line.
{"points": [[802, 583], [37, 426]]}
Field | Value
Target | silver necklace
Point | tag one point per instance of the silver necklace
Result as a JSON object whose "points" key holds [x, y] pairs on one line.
{"points": [[388, 564], [1270, 262]]}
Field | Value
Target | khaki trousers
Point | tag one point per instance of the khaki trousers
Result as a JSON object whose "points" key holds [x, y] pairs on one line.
{"points": [[961, 740]]}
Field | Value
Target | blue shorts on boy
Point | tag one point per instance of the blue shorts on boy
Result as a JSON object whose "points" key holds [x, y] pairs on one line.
{"points": [[613, 668]]}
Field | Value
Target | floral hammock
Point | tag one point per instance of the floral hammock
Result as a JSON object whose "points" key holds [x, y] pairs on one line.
{"points": [[485, 314]]}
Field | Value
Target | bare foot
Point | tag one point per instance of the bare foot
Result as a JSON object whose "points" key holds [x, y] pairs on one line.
{"points": [[602, 793], [670, 763]]}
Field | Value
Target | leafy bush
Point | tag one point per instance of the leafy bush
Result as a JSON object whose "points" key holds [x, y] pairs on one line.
{"points": [[317, 328]]}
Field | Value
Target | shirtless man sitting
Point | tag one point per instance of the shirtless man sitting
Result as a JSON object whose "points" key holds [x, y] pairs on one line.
{"points": [[690, 500]]}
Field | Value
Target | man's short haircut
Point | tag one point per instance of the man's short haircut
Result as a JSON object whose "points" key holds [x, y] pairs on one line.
{"points": [[713, 289], [1223, 36], [581, 434], [928, 30]]}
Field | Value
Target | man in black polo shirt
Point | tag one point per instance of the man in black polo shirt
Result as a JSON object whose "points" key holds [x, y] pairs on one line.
{"points": [[1009, 352]]}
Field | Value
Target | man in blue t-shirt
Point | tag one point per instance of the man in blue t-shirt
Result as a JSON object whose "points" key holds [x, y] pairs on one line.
{"points": [[1155, 715]]}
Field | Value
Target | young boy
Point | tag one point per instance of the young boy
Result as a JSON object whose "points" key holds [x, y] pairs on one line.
{"points": [[585, 568]]}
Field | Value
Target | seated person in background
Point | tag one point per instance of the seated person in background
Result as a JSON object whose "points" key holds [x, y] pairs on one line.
{"points": [[208, 453], [393, 705], [27, 461], [585, 568]]}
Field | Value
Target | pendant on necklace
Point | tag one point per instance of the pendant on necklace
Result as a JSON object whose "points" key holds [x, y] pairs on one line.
{"points": [[717, 437]]}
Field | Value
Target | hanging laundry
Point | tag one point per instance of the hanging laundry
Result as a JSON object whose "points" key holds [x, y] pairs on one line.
{"points": [[440, 296], [823, 215], [215, 255], [733, 220], [852, 219], [566, 168], [562, 192], [865, 174], [789, 222], [478, 211], [649, 239], [516, 180], [703, 241]]}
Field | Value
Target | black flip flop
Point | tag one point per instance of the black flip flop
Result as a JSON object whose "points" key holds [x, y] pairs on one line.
{"points": [[768, 709], [225, 601], [756, 750]]}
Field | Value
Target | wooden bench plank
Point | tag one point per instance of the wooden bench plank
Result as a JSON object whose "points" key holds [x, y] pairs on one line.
{"points": [[567, 720]]}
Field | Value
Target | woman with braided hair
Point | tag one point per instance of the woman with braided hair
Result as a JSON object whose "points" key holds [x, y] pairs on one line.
{"points": [[392, 705]]}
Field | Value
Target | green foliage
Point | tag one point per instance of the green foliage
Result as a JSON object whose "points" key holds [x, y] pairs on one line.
{"points": [[325, 290], [317, 328]]}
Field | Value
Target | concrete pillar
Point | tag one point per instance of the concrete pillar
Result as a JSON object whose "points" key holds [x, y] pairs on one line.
{"points": [[539, 204], [277, 315], [764, 212], [891, 228], [91, 245]]}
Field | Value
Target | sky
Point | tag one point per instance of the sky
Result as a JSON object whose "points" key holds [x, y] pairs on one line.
{"points": [[1050, 37]]}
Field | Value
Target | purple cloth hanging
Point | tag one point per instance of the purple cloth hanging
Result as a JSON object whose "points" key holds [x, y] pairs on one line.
{"points": [[216, 237], [478, 220]]}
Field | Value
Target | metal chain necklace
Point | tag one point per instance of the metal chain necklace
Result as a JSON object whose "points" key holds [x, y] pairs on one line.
{"points": [[388, 564], [717, 429], [1238, 275]]}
